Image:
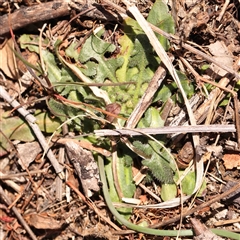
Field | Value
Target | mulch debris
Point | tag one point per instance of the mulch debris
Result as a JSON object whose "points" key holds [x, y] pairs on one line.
{"points": [[33, 196]]}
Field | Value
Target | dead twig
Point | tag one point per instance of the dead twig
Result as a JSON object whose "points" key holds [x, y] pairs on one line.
{"points": [[33, 14], [31, 121], [16, 175], [198, 208], [92, 206], [146, 99], [166, 130], [202, 232], [226, 222], [18, 215], [59, 182], [219, 18]]}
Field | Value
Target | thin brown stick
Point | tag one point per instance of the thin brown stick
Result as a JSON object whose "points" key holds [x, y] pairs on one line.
{"points": [[59, 181], [193, 210], [237, 120], [18, 215], [10, 176], [29, 198], [209, 59], [224, 8], [146, 99], [92, 206], [35, 13]]}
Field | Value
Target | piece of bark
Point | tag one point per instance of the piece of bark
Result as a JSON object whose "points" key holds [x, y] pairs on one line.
{"points": [[35, 13], [85, 166], [51, 10]]}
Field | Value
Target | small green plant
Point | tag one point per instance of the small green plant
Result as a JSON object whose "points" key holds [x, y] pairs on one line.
{"points": [[135, 63]]}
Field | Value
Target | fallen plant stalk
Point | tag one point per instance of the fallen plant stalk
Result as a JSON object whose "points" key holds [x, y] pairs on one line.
{"points": [[166, 130], [10, 176]]}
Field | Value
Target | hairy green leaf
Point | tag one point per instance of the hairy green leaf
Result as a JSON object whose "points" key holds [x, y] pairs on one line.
{"points": [[160, 162], [30, 42], [140, 62], [95, 50], [53, 71], [72, 52]]}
